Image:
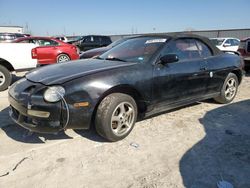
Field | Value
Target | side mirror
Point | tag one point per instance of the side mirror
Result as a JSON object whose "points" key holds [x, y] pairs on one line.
{"points": [[226, 45], [170, 58]]}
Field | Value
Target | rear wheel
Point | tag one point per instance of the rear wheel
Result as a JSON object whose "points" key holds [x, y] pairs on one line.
{"points": [[116, 116], [229, 89], [5, 78], [62, 58]]}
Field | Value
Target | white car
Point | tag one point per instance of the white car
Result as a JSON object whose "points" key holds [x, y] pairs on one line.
{"points": [[226, 44], [14, 57]]}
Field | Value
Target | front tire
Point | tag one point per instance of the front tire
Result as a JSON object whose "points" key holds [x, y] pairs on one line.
{"points": [[5, 78], [228, 90], [116, 116], [62, 58]]}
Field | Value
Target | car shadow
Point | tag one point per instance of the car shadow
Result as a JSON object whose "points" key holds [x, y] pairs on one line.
{"points": [[90, 134], [21, 134], [224, 153]]}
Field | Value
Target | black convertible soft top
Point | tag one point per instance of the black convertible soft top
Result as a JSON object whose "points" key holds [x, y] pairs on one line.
{"points": [[174, 36]]}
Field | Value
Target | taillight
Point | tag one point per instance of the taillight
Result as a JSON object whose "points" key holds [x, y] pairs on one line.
{"points": [[34, 53]]}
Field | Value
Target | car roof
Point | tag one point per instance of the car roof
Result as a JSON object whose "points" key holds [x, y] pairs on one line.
{"points": [[185, 35]]}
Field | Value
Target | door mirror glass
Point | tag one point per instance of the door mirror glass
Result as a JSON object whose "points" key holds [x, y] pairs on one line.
{"points": [[169, 58]]}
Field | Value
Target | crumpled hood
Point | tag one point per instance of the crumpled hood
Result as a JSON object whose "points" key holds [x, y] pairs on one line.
{"points": [[63, 72]]}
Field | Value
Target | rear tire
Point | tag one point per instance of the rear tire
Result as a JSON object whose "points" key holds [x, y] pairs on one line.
{"points": [[228, 90], [5, 78], [116, 116], [62, 58]]}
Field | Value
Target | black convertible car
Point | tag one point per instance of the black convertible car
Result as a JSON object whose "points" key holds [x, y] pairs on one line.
{"points": [[143, 76]]}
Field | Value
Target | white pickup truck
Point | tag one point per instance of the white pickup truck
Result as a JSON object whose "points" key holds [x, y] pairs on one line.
{"points": [[14, 57]]}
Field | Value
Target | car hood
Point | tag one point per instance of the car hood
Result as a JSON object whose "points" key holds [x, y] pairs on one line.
{"points": [[63, 72]]}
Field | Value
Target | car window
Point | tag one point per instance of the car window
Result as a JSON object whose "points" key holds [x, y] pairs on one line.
{"points": [[236, 42], [106, 40], [229, 41], [185, 49], [89, 39], [44, 42], [96, 39], [204, 49]]}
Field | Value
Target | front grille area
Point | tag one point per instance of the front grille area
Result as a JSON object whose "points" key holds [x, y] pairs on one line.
{"points": [[20, 118]]}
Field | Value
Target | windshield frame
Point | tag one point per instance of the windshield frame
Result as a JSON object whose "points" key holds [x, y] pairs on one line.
{"points": [[145, 59]]}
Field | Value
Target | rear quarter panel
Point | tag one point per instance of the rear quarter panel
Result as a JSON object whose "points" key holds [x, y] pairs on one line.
{"points": [[18, 55]]}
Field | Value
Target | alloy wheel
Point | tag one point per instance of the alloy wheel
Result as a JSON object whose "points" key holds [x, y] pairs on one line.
{"points": [[63, 58], [122, 118], [231, 89]]}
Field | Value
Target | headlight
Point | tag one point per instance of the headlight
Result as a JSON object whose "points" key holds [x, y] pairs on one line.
{"points": [[54, 93]]}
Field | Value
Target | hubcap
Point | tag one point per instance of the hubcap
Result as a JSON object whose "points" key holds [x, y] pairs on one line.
{"points": [[2, 78], [122, 118], [63, 58], [230, 89]]}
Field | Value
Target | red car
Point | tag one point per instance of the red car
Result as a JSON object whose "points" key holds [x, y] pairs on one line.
{"points": [[50, 50], [244, 50]]}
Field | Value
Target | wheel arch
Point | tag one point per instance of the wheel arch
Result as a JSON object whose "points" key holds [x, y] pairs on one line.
{"points": [[6, 64], [125, 89], [238, 74]]}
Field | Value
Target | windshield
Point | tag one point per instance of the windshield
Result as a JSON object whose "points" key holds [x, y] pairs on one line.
{"points": [[135, 50], [217, 42]]}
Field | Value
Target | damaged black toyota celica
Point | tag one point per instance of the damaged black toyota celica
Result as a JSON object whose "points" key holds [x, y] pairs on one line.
{"points": [[143, 76]]}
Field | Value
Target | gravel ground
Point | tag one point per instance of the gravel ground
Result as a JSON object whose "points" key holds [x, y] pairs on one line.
{"points": [[195, 147]]}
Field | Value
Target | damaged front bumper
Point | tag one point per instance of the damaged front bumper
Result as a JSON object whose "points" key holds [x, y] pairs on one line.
{"points": [[31, 111]]}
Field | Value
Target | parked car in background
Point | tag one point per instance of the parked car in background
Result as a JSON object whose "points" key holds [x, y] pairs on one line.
{"points": [[8, 37], [92, 41], [244, 50], [14, 57], [50, 50], [98, 51], [141, 77], [73, 38], [226, 44], [62, 38]]}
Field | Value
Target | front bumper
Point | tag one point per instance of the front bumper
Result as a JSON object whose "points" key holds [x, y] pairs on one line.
{"points": [[20, 115], [31, 111]]}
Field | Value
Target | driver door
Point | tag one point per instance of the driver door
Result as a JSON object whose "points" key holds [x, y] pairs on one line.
{"points": [[181, 81]]}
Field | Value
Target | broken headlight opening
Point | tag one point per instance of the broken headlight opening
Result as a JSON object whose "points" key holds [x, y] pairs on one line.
{"points": [[54, 94]]}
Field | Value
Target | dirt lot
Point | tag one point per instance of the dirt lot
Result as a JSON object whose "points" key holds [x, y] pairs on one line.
{"points": [[195, 147]]}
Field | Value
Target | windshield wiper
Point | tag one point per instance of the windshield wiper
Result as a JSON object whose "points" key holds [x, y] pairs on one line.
{"points": [[114, 59]]}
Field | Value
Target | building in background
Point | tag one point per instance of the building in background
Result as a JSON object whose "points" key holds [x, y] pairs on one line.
{"points": [[11, 29]]}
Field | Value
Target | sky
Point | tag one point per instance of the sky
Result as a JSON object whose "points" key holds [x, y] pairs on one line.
{"points": [[108, 17]]}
